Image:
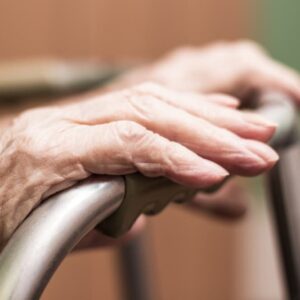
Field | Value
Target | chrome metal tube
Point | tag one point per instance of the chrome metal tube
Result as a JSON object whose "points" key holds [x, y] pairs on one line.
{"points": [[51, 231], [57, 225], [136, 269], [283, 186], [281, 109], [284, 190]]}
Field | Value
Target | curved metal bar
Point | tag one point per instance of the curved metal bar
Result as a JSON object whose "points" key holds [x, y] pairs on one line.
{"points": [[57, 225], [51, 231], [280, 108], [284, 190]]}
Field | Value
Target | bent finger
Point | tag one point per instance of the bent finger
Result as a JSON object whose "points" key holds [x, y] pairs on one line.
{"points": [[270, 74], [125, 147], [244, 124], [199, 135]]}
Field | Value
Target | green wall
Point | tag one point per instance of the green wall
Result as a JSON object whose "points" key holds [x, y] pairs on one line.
{"points": [[280, 30]]}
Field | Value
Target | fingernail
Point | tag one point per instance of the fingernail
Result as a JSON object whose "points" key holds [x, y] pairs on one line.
{"points": [[259, 120], [258, 128], [250, 159], [266, 153], [206, 174], [216, 169]]}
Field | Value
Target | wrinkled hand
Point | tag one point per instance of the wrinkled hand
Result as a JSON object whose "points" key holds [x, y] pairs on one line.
{"points": [[236, 68], [189, 138], [239, 68]]}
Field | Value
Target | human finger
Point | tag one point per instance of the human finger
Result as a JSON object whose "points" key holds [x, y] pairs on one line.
{"points": [[124, 147]]}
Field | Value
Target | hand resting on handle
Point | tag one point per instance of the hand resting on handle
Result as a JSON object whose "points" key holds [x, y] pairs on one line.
{"points": [[147, 128]]}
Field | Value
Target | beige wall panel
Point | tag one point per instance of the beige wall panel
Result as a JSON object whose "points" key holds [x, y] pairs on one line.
{"points": [[114, 28], [195, 257]]}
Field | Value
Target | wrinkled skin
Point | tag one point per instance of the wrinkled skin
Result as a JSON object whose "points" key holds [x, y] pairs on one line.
{"points": [[182, 130], [241, 69], [158, 132], [235, 68]]}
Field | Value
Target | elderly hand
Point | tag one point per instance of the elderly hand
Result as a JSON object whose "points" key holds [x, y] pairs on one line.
{"points": [[236, 68], [189, 138], [239, 68]]}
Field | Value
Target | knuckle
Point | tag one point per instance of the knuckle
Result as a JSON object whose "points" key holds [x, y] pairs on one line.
{"points": [[249, 46], [129, 131], [146, 100], [172, 150], [144, 106]]}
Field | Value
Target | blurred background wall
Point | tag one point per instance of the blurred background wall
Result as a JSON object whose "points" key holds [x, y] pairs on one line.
{"points": [[113, 29], [279, 30], [194, 256]]}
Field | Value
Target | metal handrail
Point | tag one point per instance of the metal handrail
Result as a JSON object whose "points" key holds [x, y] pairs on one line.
{"points": [[50, 233], [57, 225]]}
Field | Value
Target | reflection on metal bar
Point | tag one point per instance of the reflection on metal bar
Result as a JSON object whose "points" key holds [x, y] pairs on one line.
{"points": [[55, 227], [284, 188], [49, 234], [279, 108]]}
